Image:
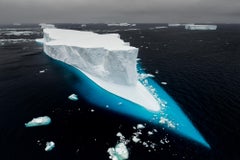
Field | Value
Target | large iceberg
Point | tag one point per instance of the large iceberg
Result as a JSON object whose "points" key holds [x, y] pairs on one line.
{"points": [[104, 58], [113, 78]]}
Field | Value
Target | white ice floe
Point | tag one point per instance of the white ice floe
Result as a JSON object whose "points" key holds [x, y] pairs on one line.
{"points": [[175, 24], [161, 27], [49, 146], [104, 58], [73, 97], [120, 152], [135, 139], [164, 83], [40, 121], [140, 126], [42, 71], [200, 27]]}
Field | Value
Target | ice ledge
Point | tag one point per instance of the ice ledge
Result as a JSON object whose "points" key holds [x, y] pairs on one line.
{"points": [[105, 56]]}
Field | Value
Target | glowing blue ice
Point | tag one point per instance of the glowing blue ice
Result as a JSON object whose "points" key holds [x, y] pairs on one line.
{"points": [[170, 116]]}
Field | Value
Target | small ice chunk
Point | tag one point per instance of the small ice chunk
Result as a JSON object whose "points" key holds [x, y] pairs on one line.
{"points": [[140, 126], [145, 144], [40, 121], [169, 123], [200, 27], [164, 83], [49, 146], [42, 71], [150, 133], [73, 97], [119, 134], [120, 152], [135, 139]]}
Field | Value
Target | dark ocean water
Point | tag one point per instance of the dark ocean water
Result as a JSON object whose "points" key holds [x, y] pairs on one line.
{"points": [[201, 68]]}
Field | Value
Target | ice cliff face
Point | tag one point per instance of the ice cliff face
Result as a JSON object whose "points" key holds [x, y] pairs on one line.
{"points": [[104, 56]]}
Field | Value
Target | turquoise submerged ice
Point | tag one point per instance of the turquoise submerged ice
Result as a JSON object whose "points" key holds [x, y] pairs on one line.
{"points": [[113, 79], [40, 121]]}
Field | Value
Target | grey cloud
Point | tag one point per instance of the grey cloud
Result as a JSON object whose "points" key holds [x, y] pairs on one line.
{"points": [[35, 11]]}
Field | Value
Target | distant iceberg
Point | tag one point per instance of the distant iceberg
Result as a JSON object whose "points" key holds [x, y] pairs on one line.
{"points": [[175, 24], [40, 121], [73, 97], [121, 24], [45, 25], [200, 27]]}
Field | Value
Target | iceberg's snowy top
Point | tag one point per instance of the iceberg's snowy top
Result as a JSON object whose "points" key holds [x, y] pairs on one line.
{"points": [[87, 39]]}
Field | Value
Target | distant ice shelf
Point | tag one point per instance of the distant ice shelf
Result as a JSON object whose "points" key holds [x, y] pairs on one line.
{"points": [[119, 152], [200, 27]]}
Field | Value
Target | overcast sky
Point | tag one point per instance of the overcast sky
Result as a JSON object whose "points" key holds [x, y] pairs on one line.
{"points": [[105, 11]]}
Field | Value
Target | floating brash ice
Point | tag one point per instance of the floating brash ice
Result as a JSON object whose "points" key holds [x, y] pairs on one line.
{"points": [[110, 73]]}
